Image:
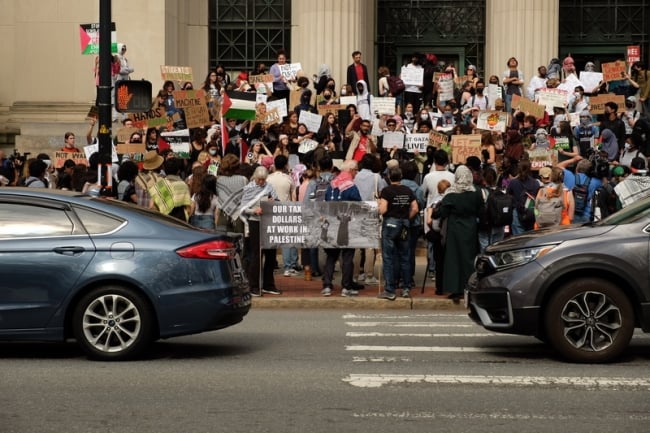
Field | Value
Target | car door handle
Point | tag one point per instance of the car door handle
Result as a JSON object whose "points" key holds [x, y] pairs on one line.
{"points": [[69, 251]]}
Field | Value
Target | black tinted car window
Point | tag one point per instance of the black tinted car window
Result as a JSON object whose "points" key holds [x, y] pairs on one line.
{"points": [[25, 221], [96, 222]]}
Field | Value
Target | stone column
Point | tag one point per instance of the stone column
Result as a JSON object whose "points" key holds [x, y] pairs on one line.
{"points": [[327, 32], [525, 29]]}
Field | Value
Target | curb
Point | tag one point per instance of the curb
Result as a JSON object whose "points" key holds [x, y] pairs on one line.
{"points": [[356, 303]]}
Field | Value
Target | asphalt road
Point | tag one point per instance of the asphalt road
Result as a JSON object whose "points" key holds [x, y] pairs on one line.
{"points": [[326, 371]]}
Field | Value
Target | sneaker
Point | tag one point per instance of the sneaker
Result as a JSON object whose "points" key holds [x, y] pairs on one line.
{"points": [[327, 291], [433, 276], [387, 295], [361, 277], [357, 286], [349, 292], [290, 273], [372, 281], [255, 292], [406, 293], [297, 268], [272, 291]]}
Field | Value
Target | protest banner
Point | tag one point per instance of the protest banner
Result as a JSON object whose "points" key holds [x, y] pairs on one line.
{"points": [[633, 54], [416, 142], [192, 102], [393, 139], [550, 98], [542, 158], [290, 70], [527, 106], [412, 76], [335, 224], [492, 121], [280, 105], [307, 145], [89, 38], [569, 84], [61, 157], [347, 100], [131, 148], [446, 87], [176, 73], [178, 141], [494, 92], [93, 148], [597, 102], [269, 117], [590, 80], [383, 105], [463, 146], [613, 71], [311, 120], [153, 119]]}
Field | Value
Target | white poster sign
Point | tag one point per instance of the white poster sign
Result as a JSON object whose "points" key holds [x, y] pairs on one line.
{"points": [[311, 120], [412, 76], [416, 142], [383, 105]]}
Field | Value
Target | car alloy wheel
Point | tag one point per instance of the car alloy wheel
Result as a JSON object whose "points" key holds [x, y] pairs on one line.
{"points": [[589, 320], [113, 323]]}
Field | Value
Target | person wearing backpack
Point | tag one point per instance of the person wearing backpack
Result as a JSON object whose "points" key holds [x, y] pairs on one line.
{"points": [[523, 190], [497, 211], [583, 192], [554, 204]]}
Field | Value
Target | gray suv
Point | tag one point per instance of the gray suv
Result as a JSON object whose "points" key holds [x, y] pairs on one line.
{"points": [[583, 289]]}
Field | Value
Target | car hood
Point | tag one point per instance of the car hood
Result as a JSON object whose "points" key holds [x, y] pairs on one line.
{"points": [[549, 235]]}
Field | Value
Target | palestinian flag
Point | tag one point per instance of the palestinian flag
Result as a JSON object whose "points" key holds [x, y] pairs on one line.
{"points": [[239, 105]]}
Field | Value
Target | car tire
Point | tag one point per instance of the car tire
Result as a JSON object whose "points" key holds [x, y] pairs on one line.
{"points": [[113, 323], [589, 320]]}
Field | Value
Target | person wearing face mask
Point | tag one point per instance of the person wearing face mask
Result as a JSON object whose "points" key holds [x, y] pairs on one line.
{"points": [[631, 150], [630, 115], [479, 99], [585, 134], [610, 120], [447, 122], [421, 118], [327, 98], [578, 101]]}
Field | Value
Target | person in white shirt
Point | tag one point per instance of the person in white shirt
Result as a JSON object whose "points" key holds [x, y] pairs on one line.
{"points": [[413, 93]]}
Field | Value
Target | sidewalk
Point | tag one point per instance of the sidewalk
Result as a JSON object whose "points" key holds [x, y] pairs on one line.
{"points": [[298, 293]]}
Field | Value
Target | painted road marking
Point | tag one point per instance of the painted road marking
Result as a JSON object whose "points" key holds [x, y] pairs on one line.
{"points": [[362, 348], [411, 325], [397, 334], [402, 316], [378, 380], [490, 416]]}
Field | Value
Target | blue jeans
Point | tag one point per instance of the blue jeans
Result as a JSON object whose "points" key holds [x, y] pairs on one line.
{"points": [[490, 236], [290, 257], [516, 228], [395, 253], [203, 221]]}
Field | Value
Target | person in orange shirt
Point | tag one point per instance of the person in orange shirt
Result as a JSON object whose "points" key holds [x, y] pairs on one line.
{"points": [[553, 188], [69, 143]]}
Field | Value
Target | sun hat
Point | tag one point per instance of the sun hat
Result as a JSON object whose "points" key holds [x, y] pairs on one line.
{"points": [[152, 160]]}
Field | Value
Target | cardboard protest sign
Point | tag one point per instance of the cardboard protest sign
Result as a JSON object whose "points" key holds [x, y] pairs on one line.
{"points": [[93, 113], [192, 102], [124, 134], [61, 157], [460, 80], [319, 224], [438, 139], [290, 70], [383, 105], [416, 142], [324, 109], [527, 106], [131, 148], [176, 73], [542, 158], [633, 53], [597, 102], [393, 139], [463, 146], [311, 120], [412, 76], [492, 121], [153, 119], [268, 117], [260, 79], [613, 71], [347, 100]]}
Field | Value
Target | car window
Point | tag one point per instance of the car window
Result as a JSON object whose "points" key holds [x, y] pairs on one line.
{"points": [[629, 214], [26, 220], [97, 222]]}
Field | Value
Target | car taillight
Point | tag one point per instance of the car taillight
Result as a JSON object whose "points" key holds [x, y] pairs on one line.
{"points": [[221, 250]]}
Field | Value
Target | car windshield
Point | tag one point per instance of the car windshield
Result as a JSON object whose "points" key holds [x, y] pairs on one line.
{"points": [[629, 214]]}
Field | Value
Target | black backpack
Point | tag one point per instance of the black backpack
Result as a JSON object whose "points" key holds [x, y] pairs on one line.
{"points": [[642, 129], [604, 200], [499, 208]]}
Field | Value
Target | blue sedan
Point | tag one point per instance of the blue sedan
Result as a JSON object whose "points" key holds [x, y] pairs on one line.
{"points": [[111, 275]]}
